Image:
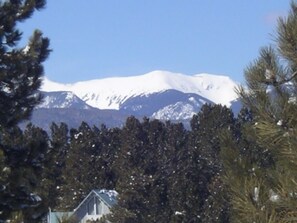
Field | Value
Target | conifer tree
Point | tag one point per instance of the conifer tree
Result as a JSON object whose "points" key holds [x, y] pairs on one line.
{"points": [[201, 166], [105, 149], [131, 155], [35, 152], [53, 179], [262, 177], [146, 152], [78, 167], [26, 159], [176, 144], [20, 77], [157, 168], [21, 68], [89, 164]]}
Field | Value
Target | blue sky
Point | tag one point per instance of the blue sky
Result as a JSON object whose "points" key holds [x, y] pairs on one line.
{"points": [[105, 38]]}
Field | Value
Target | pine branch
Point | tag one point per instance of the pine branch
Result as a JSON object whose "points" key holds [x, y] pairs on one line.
{"points": [[274, 82]]}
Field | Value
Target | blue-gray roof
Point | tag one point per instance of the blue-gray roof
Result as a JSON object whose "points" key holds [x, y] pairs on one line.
{"points": [[108, 196]]}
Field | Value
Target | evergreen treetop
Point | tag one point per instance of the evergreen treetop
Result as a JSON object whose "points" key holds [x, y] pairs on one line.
{"points": [[261, 172], [21, 70]]}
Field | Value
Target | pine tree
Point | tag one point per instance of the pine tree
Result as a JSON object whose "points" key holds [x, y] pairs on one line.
{"points": [[21, 68], [262, 177], [26, 159], [157, 168], [89, 164], [105, 149], [132, 207], [53, 179], [78, 168], [20, 78], [200, 167], [146, 153], [36, 150], [176, 144]]}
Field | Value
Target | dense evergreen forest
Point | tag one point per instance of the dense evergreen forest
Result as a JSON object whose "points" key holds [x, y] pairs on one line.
{"points": [[162, 172], [224, 169]]}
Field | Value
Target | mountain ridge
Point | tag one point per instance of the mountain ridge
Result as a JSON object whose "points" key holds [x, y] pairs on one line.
{"points": [[159, 95], [111, 93]]}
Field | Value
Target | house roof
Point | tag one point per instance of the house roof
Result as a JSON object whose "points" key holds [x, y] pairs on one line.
{"points": [[109, 197]]}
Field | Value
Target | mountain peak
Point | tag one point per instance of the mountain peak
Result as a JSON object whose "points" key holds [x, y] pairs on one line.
{"points": [[110, 93]]}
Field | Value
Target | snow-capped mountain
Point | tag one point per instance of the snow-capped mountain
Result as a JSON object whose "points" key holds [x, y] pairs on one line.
{"points": [[111, 93], [159, 94]]}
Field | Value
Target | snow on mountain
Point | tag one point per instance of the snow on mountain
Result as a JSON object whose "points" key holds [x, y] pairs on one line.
{"points": [[111, 93], [167, 105], [177, 111], [62, 99]]}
